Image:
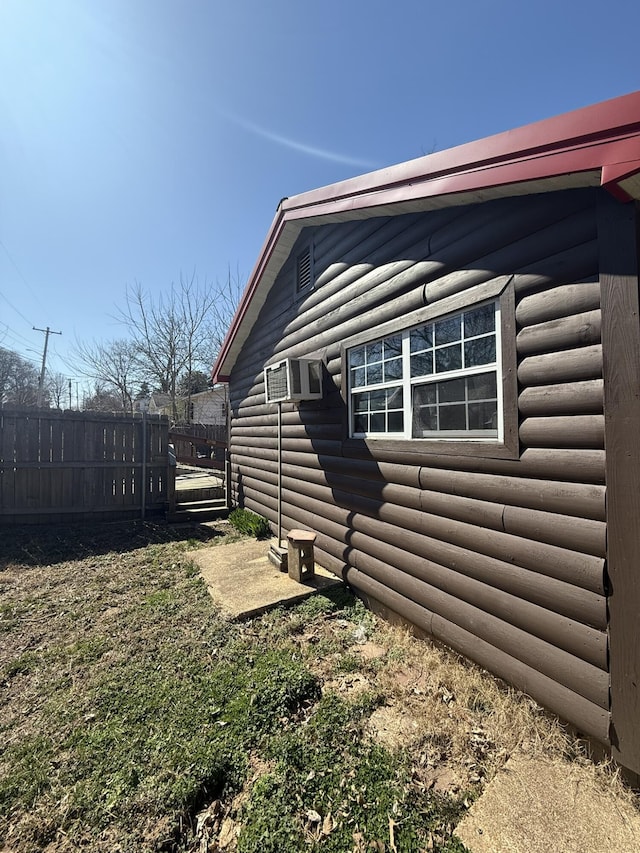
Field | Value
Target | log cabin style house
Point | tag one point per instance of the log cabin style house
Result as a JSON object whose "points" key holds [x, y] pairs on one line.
{"points": [[471, 462]]}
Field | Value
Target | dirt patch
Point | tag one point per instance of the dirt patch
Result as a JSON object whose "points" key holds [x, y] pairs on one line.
{"points": [[350, 685], [394, 728], [539, 804], [370, 651]]}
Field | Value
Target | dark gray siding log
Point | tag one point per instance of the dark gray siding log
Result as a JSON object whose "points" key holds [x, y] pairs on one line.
{"points": [[568, 366], [557, 302], [530, 250], [575, 398], [581, 466], [502, 558], [585, 431], [586, 715]]}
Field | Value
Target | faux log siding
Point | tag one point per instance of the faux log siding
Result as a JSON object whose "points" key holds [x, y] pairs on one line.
{"points": [[577, 398], [590, 717], [586, 715], [501, 558], [576, 499], [572, 365], [403, 281]]}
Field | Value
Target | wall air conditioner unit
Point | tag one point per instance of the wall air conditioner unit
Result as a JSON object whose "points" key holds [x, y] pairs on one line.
{"points": [[293, 379]]}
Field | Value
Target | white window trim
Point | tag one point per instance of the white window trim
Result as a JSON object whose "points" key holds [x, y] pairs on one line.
{"points": [[466, 435], [408, 383]]}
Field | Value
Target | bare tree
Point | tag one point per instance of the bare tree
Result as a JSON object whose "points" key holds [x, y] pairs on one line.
{"points": [[19, 380], [57, 386], [178, 333], [113, 366], [103, 399], [228, 294]]}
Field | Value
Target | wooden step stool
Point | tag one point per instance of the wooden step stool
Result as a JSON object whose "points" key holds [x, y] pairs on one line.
{"points": [[300, 562]]}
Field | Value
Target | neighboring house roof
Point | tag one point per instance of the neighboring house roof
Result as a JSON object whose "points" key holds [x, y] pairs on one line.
{"points": [[212, 393], [595, 146], [159, 401]]}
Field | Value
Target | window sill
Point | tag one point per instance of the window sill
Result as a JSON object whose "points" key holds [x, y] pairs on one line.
{"points": [[489, 449]]}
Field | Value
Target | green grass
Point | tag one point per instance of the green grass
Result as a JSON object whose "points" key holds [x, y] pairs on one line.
{"points": [[355, 786], [129, 705]]}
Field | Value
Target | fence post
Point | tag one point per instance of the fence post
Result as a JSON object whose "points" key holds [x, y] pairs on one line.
{"points": [[171, 478], [145, 443]]}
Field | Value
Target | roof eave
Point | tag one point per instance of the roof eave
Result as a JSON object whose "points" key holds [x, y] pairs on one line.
{"points": [[598, 144]]}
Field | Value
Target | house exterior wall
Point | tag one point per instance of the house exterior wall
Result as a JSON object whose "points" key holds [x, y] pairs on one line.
{"points": [[619, 237], [499, 554], [209, 407]]}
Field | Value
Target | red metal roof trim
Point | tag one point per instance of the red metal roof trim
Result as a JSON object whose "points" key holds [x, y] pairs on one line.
{"points": [[604, 137], [249, 291], [589, 126]]}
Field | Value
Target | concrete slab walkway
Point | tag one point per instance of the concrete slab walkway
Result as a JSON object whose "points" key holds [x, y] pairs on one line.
{"points": [[244, 583], [198, 478]]}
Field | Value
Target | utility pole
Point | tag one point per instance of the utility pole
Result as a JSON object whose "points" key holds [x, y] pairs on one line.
{"points": [[47, 332]]}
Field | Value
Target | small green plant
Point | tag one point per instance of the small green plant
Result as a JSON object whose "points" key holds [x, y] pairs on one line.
{"points": [[349, 663], [248, 522], [22, 665]]}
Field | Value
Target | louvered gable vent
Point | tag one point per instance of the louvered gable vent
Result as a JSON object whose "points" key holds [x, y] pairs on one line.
{"points": [[304, 270]]}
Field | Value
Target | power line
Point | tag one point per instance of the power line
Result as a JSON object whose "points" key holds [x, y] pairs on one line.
{"points": [[10, 343], [15, 336], [17, 269], [11, 305], [24, 281]]}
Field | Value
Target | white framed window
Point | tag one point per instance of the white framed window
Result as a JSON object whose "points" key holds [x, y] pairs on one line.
{"points": [[437, 380]]}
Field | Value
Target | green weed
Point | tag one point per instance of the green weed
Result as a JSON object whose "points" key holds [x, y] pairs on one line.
{"points": [[22, 665], [248, 522]]}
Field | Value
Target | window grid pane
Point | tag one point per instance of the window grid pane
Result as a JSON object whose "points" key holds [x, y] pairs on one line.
{"points": [[479, 321], [376, 363], [379, 411], [467, 403], [455, 405], [454, 343]]}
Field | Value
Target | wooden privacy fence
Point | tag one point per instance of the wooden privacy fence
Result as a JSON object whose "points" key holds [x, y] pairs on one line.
{"points": [[68, 466]]}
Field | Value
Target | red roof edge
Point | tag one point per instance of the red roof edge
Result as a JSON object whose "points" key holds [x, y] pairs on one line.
{"points": [[247, 296], [602, 136], [579, 128]]}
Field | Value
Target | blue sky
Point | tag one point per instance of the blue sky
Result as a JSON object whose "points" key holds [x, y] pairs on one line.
{"points": [[142, 139]]}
